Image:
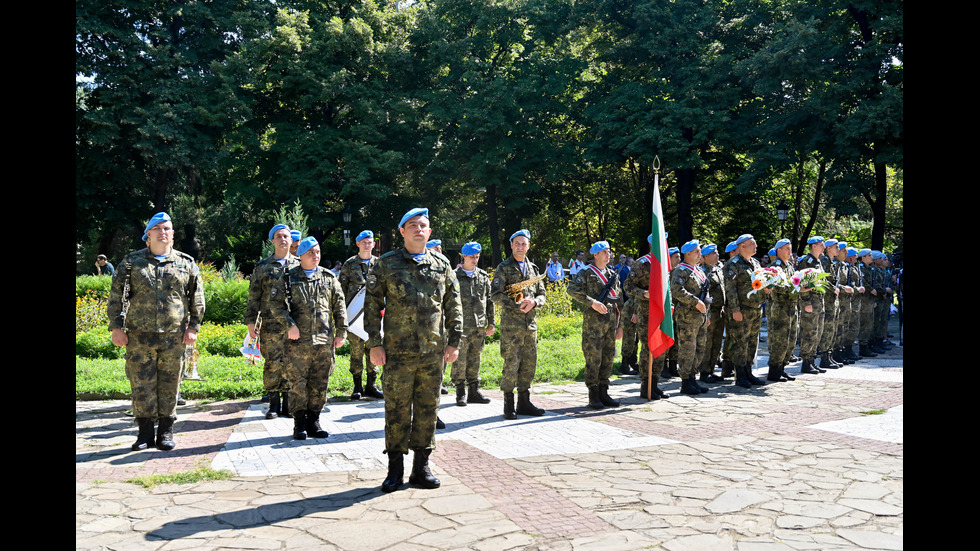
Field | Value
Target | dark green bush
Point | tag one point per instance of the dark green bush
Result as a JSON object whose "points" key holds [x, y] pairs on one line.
{"points": [[97, 285], [225, 301], [97, 343]]}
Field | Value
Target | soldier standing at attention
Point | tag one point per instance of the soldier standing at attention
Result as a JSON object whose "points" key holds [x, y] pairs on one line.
{"points": [[311, 301], [518, 325], [830, 304], [782, 310], [353, 277], [744, 310], [423, 327], [812, 310], [689, 290], [273, 329], [716, 318], [597, 287], [637, 286], [474, 292], [156, 306]]}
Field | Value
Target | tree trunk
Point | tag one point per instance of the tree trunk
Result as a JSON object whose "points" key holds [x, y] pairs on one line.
{"points": [[878, 207], [685, 220], [493, 226]]}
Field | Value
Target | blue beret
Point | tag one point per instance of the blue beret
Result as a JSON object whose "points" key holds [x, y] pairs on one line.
{"points": [[599, 246], [412, 214], [306, 245], [525, 233], [814, 239], [650, 239], [471, 248], [863, 252], [842, 244], [364, 235], [690, 246], [157, 218], [730, 247], [433, 243], [772, 252], [851, 251], [876, 255], [830, 242], [295, 234], [743, 238], [708, 249], [673, 250], [782, 242], [277, 227]]}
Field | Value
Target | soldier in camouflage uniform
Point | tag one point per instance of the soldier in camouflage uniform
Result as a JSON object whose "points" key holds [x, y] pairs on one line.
{"points": [[518, 325], [423, 328], [853, 279], [478, 312], [353, 276], [844, 303], [637, 285], [744, 311], [727, 367], [597, 287], [831, 305], [273, 329], [866, 314], [311, 301], [716, 316], [689, 290], [811, 310], [882, 301], [156, 306], [782, 313]]}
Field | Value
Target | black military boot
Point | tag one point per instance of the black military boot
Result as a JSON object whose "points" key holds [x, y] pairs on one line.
{"points": [[783, 376], [146, 434], [284, 405], [370, 389], [313, 428], [626, 369], [396, 469], [657, 391], [460, 394], [752, 378], [274, 406], [525, 407], [672, 368], [594, 401], [647, 395], [875, 347], [165, 434], [710, 378], [826, 362], [299, 425], [439, 424], [509, 406], [740, 379], [808, 367], [474, 396], [851, 354], [605, 398], [358, 388], [421, 475], [689, 386], [775, 372], [727, 369]]}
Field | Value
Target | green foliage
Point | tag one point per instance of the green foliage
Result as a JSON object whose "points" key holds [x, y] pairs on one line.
{"points": [[209, 273], [229, 272], [225, 301], [97, 343], [221, 340], [200, 474], [90, 312], [559, 302], [96, 286]]}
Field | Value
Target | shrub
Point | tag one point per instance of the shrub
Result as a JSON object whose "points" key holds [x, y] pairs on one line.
{"points": [[97, 286], [97, 343], [225, 301], [90, 312], [221, 340]]}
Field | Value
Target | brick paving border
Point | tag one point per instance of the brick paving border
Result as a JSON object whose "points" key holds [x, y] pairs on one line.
{"points": [[536, 508]]}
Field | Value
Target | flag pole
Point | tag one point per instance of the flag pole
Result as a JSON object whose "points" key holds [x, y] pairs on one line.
{"points": [[656, 182]]}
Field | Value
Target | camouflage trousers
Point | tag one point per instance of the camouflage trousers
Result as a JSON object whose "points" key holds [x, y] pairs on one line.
{"points": [[154, 362], [830, 307], [811, 329], [691, 332], [466, 368], [358, 358], [308, 371], [412, 383], [783, 319], [598, 347], [744, 336], [272, 342], [882, 307], [865, 333], [631, 341], [519, 349], [716, 335], [844, 315], [853, 322]]}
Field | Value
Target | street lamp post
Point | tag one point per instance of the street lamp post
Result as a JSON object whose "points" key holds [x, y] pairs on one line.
{"points": [[782, 213], [347, 217]]}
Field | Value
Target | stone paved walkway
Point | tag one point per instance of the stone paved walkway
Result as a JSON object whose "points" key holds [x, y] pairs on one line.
{"points": [[811, 464]]}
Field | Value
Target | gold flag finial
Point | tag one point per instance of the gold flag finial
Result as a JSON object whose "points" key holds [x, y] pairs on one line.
{"points": [[656, 163]]}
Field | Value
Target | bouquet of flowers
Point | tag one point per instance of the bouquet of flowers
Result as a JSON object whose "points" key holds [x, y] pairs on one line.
{"points": [[767, 278], [812, 278]]}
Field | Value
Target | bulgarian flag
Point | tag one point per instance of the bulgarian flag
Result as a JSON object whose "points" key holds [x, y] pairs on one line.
{"points": [[661, 327]]}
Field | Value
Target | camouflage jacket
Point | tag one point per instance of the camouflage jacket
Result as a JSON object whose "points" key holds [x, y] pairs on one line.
{"points": [[507, 273], [738, 283], [156, 296], [265, 275], [422, 309], [586, 287], [315, 304], [716, 286], [809, 297], [687, 283], [353, 275], [638, 282], [474, 293]]}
